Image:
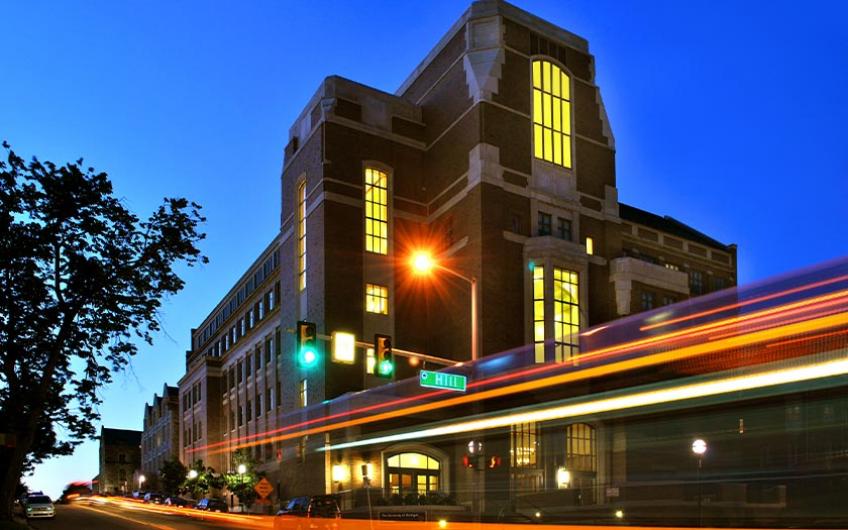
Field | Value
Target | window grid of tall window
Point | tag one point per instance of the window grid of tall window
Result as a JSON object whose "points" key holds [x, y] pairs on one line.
{"points": [[539, 312], [551, 113], [376, 299], [376, 211], [301, 235], [566, 314], [522, 451], [580, 451]]}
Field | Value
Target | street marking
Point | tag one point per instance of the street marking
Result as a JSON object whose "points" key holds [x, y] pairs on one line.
{"points": [[145, 523]]}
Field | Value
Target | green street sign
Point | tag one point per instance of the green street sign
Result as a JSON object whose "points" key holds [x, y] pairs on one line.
{"points": [[442, 380]]}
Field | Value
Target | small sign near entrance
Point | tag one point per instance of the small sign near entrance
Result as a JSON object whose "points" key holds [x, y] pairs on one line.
{"points": [[442, 380], [263, 488]]}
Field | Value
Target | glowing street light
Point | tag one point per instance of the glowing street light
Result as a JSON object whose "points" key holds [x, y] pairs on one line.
{"points": [[141, 479], [699, 448], [423, 263], [192, 474], [242, 469]]}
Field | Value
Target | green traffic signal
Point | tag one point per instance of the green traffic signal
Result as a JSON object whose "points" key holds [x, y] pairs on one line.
{"points": [[385, 356], [307, 344], [386, 368], [308, 357]]}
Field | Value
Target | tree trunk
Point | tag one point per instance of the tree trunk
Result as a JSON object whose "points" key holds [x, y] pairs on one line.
{"points": [[11, 466]]}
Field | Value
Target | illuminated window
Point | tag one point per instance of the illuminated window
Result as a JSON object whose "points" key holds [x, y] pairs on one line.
{"points": [[590, 246], [522, 452], [581, 458], [303, 393], [566, 314], [539, 312], [413, 473], [301, 236], [370, 360], [551, 113], [377, 299], [376, 211]]}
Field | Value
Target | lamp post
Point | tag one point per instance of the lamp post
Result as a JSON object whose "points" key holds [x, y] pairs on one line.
{"points": [[141, 479], [699, 448], [423, 263], [192, 474]]}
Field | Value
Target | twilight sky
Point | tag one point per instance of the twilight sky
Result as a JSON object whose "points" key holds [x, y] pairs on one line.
{"points": [[729, 116]]}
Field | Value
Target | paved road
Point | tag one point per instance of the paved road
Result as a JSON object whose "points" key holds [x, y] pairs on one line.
{"points": [[113, 517]]}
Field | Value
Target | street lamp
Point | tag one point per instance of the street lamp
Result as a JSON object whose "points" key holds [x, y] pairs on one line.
{"points": [[699, 448], [141, 479], [242, 469], [422, 264], [192, 474]]}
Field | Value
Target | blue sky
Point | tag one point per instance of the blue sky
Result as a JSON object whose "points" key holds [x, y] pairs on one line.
{"points": [[729, 116]]}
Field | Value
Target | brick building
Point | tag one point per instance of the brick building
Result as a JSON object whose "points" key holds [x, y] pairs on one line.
{"points": [[120, 459], [232, 384], [497, 155], [160, 437]]}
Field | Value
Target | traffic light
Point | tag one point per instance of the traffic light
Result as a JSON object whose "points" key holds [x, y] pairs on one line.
{"points": [[384, 356], [307, 344]]}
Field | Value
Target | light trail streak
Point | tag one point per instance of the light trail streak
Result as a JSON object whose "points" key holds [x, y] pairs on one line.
{"points": [[634, 400], [670, 338], [737, 305], [685, 352]]}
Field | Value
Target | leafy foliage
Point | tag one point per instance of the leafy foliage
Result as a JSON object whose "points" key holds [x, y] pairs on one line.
{"points": [[172, 474], [82, 280], [242, 484]]}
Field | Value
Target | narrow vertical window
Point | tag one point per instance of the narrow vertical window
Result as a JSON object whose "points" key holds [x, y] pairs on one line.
{"points": [[377, 299], [551, 113], [566, 314], [370, 361], [376, 211], [539, 313], [301, 236]]}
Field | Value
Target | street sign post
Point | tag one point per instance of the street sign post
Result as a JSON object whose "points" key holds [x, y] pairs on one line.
{"points": [[263, 488], [442, 380]]}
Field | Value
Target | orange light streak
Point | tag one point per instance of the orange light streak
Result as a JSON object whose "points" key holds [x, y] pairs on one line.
{"points": [[747, 339], [746, 302], [668, 338]]}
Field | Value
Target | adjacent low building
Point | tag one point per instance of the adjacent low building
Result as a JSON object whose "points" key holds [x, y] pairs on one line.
{"points": [[120, 459], [160, 438]]}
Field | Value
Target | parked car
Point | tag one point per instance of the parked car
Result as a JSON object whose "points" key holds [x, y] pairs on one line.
{"points": [[154, 498], [323, 506], [212, 505], [178, 502], [39, 506]]}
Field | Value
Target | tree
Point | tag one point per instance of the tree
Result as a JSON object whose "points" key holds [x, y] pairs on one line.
{"points": [[82, 280], [241, 484], [201, 479], [172, 474]]}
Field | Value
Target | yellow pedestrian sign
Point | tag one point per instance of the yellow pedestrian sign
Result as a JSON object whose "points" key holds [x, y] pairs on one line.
{"points": [[263, 488]]}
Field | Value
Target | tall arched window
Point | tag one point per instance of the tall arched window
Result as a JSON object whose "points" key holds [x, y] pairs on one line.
{"points": [[376, 211], [581, 456], [413, 473], [551, 113]]}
